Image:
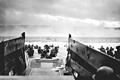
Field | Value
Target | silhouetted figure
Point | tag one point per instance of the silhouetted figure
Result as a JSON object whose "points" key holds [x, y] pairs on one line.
{"points": [[117, 53], [39, 50], [45, 51], [56, 49], [105, 73], [26, 47], [107, 48], [102, 49], [23, 34], [30, 52], [110, 52], [68, 60], [32, 46], [44, 54], [46, 48], [54, 52], [36, 47], [70, 36]]}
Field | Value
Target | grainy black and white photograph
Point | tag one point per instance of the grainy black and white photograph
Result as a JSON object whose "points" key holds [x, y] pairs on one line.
{"points": [[59, 39]]}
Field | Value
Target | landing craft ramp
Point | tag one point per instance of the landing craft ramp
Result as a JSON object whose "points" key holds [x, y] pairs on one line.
{"points": [[36, 78], [84, 60], [39, 69], [44, 69]]}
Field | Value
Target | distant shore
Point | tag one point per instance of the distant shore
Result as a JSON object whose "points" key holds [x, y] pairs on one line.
{"points": [[65, 39]]}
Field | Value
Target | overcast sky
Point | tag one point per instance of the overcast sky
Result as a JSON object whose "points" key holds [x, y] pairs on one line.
{"points": [[84, 18]]}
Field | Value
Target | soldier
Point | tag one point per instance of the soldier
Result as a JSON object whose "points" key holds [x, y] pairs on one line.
{"points": [[68, 59], [102, 49], [105, 73], [117, 53], [36, 47], [30, 51], [46, 47], [111, 52], [107, 49], [44, 53], [39, 50], [52, 53], [56, 49]]}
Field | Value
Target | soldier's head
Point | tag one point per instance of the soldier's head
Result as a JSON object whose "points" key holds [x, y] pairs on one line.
{"points": [[105, 73], [118, 48]]}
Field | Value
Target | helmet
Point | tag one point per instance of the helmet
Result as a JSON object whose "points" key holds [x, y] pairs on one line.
{"points": [[105, 73]]}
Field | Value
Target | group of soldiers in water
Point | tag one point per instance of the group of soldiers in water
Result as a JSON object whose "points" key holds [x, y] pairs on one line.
{"points": [[110, 51], [48, 51]]}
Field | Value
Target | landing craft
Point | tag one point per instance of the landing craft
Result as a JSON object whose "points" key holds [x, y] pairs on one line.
{"points": [[83, 61]]}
